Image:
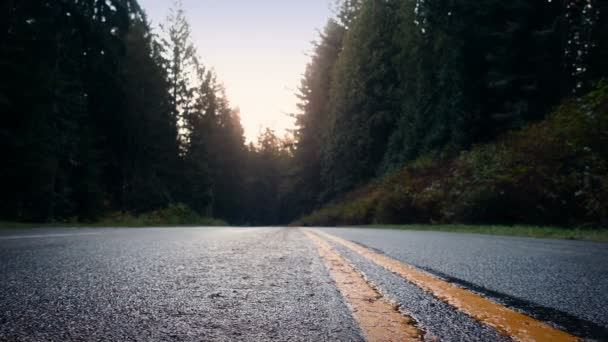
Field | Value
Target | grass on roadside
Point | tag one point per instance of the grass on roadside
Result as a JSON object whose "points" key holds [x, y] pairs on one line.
{"points": [[600, 234], [205, 222], [174, 215]]}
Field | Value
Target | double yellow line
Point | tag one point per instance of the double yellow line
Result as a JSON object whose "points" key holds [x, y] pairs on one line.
{"points": [[356, 292]]}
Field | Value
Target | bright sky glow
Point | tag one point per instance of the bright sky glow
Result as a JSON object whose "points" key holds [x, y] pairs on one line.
{"points": [[258, 49]]}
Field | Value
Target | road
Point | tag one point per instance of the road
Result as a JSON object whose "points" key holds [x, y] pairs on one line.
{"points": [[292, 284]]}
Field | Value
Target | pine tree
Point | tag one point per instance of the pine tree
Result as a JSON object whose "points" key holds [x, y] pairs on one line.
{"points": [[312, 121], [189, 82], [363, 101], [150, 152], [347, 11], [45, 103], [182, 66], [266, 164]]}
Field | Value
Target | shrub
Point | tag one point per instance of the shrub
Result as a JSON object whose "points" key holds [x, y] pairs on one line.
{"points": [[173, 215], [551, 172]]}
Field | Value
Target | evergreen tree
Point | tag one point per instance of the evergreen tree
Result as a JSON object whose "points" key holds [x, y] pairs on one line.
{"points": [[216, 135], [266, 163], [312, 121], [347, 11], [150, 151], [182, 66], [363, 100], [102, 115], [189, 84], [45, 102], [78, 105]]}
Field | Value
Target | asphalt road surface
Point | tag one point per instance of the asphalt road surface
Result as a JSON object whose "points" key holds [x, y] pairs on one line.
{"points": [[280, 284]]}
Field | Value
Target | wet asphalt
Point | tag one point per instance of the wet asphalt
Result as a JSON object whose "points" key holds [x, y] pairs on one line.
{"points": [[269, 284]]}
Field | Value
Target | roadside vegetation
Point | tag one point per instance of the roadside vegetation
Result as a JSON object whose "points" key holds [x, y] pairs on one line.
{"points": [[173, 215], [425, 121], [554, 172], [586, 234], [409, 111], [104, 114]]}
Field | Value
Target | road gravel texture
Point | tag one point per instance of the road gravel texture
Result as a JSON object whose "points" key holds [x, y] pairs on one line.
{"points": [[560, 281], [437, 319], [172, 284], [270, 284]]}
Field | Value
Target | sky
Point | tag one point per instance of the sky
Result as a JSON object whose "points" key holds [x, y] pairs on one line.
{"points": [[258, 48]]}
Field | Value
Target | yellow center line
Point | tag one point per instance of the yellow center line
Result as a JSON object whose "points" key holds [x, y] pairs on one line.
{"points": [[377, 318], [505, 320]]}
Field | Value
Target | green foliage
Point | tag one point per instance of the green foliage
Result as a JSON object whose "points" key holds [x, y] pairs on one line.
{"points": [[100, 115], [347, 11], [362, 102], [150, 153], [358, 206], [57, 67], [265, 180], [551, 172], [174, 215], [303, 183], [549, 232], [417, 78]]}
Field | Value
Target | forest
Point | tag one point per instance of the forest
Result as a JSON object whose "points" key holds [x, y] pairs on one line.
{"points": [[425, 111]]}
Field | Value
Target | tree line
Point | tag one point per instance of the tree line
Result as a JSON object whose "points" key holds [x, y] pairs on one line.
{"points": [[102, 113], [392, 81]]}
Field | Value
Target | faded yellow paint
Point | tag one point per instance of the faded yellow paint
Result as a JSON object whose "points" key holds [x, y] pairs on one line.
{"points": [[505, 320], [377, 318]]}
